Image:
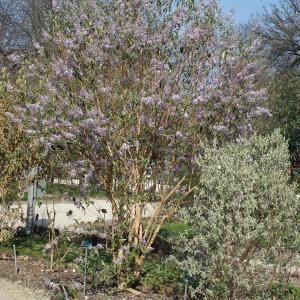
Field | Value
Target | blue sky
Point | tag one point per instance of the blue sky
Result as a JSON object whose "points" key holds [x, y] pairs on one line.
{"points": [[245, 8]]}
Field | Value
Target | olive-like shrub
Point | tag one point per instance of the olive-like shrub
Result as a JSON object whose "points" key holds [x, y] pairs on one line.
{"points": [[244, 221]]}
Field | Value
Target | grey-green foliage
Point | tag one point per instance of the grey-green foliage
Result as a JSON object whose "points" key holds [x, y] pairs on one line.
{"points": [[244, 220]]}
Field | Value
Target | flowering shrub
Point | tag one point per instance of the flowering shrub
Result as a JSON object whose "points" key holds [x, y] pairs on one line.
{"points": [[244, 221], [128, 90]]}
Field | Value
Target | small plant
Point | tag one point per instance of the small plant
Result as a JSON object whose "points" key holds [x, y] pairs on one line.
{"points": [[287, 292], [161, 276]]}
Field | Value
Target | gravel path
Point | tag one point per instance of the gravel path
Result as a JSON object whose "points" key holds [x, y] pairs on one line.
{"points": [[14, 291]]}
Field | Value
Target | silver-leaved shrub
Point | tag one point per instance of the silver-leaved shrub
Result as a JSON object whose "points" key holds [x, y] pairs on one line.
{"points": [[244, 221]]}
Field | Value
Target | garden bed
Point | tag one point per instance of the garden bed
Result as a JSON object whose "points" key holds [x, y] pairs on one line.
{"points": [[33, 273]]}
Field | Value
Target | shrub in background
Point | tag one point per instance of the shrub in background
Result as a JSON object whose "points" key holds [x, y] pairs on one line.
{"points": [[18, 153], [244, 220]]}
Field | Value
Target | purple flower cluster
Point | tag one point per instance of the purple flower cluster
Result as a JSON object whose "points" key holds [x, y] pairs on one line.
{"points": [[260, 111], [56, 5]]}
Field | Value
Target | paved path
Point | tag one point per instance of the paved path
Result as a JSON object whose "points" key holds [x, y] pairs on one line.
{"points": [[90, 213], [14, 291]]}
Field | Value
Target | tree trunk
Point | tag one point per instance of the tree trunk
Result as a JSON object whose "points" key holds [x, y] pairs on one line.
{"points": [[137, 265]]}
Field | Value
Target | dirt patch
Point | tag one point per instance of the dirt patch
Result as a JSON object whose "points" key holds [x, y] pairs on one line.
{"points": [[14, 291], [33, 275]]}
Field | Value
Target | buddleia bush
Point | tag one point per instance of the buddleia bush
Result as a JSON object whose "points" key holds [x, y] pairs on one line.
{"points": [[244, 221], [126, 94]]}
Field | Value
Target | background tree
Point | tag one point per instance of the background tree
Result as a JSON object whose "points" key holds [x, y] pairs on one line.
{"points": [[11, 15], [284, 102], [21, 24], [280, 31]]}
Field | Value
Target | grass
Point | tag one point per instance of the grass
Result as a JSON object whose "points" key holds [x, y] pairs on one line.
{"points": [[281, 291], [174, 228], [33, 245], [294, 293], [161, 276], [56, 190], [26, 245], [171, 230]]}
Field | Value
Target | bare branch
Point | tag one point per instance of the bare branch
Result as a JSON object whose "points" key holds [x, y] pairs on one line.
{"points": [[280, 33]]}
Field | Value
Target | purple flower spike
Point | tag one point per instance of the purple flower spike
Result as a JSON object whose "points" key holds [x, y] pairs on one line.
{"points": [[149, 249], [179, 135], [118, 261], [124, 147], [102, 235], [99, 246]]}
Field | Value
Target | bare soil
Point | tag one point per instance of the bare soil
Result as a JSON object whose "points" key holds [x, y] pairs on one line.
{"points": [[33, 273], [14, 291]]}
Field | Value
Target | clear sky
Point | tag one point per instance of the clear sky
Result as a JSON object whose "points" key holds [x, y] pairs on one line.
{"points": [[244, 9]]}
